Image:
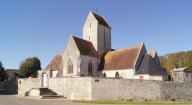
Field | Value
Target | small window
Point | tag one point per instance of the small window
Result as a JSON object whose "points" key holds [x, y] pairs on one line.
{"points": [[70, 67], [104, 75], [90, 71], [90, 25], [116, 75], [51, 73], [186, 75]]}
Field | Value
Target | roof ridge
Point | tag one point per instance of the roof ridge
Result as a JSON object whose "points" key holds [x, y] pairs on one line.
{"points": [[129, 48], [140, 48], [122, 49], [81, 39]]}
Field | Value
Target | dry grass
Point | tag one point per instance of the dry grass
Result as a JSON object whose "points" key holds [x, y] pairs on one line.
{"points": [[133, 102]]}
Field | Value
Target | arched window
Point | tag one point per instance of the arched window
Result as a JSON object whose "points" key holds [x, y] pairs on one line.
{"points": [[90, 25], [51, 73], [116, 75], [69, 67], [90, 71]]}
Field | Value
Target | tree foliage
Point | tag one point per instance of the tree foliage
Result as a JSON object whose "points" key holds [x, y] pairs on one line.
{"points": [[179, 59], [2, 72], [29, 67]]}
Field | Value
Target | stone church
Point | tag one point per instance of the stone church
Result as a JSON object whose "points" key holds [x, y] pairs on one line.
{"points": [[93, 56]]}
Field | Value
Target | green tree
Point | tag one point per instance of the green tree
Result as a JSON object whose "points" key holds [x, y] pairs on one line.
{"points": [[29, 67], [162, 60], [182, 59], [2, 72]]}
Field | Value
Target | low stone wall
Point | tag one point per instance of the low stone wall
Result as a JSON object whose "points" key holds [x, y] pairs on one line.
{"points": [[87, 88], [72, 88], [11, 87], [24, 85], [115, 89], [178, 91], [2, 87], [8, 87]]}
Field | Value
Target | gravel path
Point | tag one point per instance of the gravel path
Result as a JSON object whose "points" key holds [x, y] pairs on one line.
{"points": [[15, 100]]}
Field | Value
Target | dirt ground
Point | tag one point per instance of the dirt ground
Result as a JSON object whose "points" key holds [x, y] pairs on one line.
{"points": [[15, 100]]}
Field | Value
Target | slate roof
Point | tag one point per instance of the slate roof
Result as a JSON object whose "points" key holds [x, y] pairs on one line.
{"points": [[55, 63], [150, 66], [101, 20], [121, 59], [85, 47]]}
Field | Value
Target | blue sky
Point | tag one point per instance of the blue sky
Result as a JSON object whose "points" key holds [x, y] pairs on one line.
{"points": [[42, 27]]}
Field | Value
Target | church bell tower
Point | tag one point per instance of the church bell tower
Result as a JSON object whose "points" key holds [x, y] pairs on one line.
{"points": [[97, 31]]}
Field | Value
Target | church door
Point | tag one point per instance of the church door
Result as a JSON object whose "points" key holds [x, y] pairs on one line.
{"points": [[44, 80]]}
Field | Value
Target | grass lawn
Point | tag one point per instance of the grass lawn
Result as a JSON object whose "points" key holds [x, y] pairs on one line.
{"points": [[130, 102]]}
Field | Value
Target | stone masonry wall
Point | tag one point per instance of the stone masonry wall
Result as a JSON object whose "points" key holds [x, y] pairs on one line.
{"points": [[85, 60], [71, 47], [72, 88], [2, 85], [8, 87], [115, 89], [87, 88], [173, 90], [24, 85], [97, 33], [11, 87]]}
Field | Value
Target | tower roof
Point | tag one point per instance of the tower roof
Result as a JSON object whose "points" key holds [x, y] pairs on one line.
{"points": [[101, 19]]}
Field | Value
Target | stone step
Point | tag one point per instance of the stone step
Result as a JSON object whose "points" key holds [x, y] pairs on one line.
{"points": [[52, 97], [41, 92], [46, 91]]}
